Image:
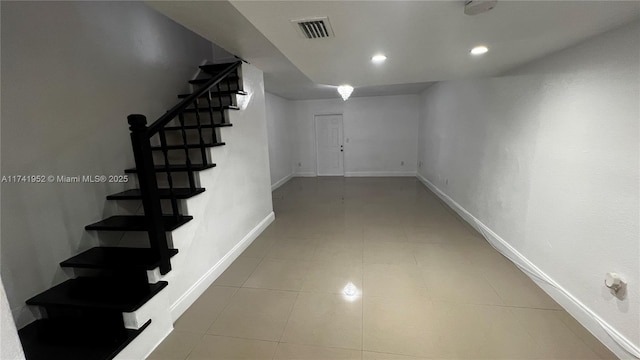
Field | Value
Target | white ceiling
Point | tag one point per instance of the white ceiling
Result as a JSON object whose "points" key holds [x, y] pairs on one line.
{"points": [[425, 41]]}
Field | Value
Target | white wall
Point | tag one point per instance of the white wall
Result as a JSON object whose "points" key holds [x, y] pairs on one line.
{"points": [[280, 129], [379, 133], [547, 158], [236, 206], [10, 347], [71, 73]]}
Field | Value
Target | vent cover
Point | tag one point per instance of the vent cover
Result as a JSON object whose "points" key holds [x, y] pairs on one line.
{"points": [[314, 28]]}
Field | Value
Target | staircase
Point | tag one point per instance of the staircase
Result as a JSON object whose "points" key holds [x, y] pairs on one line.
{"points": [[85, 318]]}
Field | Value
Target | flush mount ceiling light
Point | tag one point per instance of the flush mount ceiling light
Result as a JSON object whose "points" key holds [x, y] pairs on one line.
{"points": [[479, 50], [345, 91], [378, 59]]}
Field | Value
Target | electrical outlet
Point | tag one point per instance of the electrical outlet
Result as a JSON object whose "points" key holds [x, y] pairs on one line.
{"points": [[420, 164], [401, 163], [299, 164], [446, 181]]}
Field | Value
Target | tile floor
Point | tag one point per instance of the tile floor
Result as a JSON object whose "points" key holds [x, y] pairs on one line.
{"points": [[425, 286]]}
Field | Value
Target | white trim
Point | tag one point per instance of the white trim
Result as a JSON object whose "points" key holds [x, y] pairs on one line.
{"points": [[602, 330], [199, 287], [379, 173], [281, 182], [305, 174]]}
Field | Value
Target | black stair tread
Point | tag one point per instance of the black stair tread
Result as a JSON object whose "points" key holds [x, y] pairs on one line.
{"points": [[116, 258], [136, 223], [206, 80], [215, 68], [206, 109], [214, 94], [98, 293], [175, 168], [85, 342], [179, 193], [189, 146], [195, 127]]}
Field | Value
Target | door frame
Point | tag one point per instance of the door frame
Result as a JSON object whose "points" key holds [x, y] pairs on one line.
{"points": [[315, 135]]}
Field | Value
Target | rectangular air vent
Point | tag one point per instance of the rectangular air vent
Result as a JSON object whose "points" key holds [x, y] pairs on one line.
{"points": [[314, 28]]}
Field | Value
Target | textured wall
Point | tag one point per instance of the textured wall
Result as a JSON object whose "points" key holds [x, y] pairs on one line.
{"points": [[280, 129], [547, 157], [380, 133], [71, 73]]}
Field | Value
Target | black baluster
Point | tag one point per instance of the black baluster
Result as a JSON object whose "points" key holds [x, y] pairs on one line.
{"points": [[223, 120], [165, 153], [203, 151], [214, 135], [192, 182]]}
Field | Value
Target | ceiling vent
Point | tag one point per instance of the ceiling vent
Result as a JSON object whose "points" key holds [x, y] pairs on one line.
{"points": [[314, 28]]}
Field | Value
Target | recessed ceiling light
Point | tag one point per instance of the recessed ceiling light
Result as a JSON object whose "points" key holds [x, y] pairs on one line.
{"points": [[378, 59], [479, 50]]}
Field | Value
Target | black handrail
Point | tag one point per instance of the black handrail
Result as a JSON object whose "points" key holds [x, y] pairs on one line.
{"points": [[176, 110], [141, 136]]}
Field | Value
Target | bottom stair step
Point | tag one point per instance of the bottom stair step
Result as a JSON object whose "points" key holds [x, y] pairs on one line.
{"points": [[59, 339]]}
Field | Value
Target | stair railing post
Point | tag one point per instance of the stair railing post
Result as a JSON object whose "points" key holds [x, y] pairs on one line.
{"points": [[148, 182]]}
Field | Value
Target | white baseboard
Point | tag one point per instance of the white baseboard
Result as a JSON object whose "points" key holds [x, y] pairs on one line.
{"points": [[379, 173], [607, 334], [305, 174], [281, 182], [194, 292]]}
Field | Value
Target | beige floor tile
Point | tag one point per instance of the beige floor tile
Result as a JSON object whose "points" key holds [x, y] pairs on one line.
{"points": [[554, 338], [333, 250], [325, 320], [332, 277], [393, 280], [238, 272], [204, 311], [287, 351], [176, 346], [388, 233], [441, 257], [488, 258], [428, 285], [292, 249], [255, 314], [258, 248], [403, 325], [515, 288], [422, 235], [278, 275], [370, 355], [350, 234], [592, 342], [462, 286], [378, 252], [223, 348], [482, 332]]}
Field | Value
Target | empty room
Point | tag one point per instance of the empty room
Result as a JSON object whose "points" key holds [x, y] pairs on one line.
{"points": [[199, 180]]}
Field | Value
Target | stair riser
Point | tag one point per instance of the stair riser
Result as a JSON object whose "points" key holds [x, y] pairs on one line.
{"points": [[192, 135], [205, 118], [227, 99], [180, 179], [232, 86]]}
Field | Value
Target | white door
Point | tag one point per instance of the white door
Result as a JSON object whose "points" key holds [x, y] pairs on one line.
{"points": [[330, 157]]}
